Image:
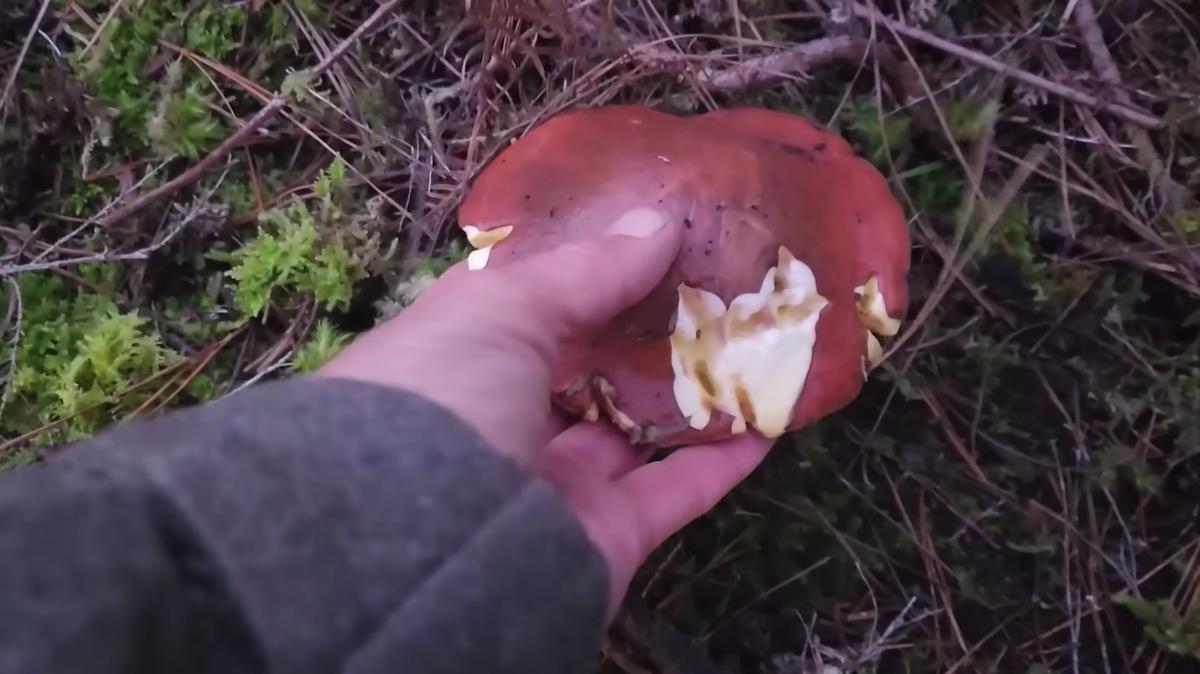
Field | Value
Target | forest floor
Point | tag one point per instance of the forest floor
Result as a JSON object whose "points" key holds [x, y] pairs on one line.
{"points": [[196, 195]]}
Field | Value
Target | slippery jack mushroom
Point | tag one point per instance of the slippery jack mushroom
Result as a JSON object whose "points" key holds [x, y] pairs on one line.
{"points": [[793, 264]]}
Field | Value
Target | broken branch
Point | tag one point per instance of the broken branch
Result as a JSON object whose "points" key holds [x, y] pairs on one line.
{"points": [[779, 66]]}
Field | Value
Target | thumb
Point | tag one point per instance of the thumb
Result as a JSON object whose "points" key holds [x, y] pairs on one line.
{"points": [[583, 284]]}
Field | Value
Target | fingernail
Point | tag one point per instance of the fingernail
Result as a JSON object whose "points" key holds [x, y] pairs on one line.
{"points": [[639, 223]]}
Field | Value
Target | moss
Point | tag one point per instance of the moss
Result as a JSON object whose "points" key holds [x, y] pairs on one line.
{"points": [[1174, 633], [314, 248], [77, 356], [128, 55], [934, 187], [968, 118], [879, 134], [1187, 224], [322, 345], [148, 97]]}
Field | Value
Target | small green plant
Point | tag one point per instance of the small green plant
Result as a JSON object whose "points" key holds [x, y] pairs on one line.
{"points": [[968, 118], [285, 254], [316, 249], [295, 86], [1013, 235], [323, 344], [1164, 626], [119, 71], [880, 134], [84, 198], [183, 124], [934, 187], [1187, 224], [149, 97], [235, 192], [213, 30], [77, 356]]}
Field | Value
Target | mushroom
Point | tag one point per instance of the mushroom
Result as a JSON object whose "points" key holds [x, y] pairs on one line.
{"points": [[793, 264]]}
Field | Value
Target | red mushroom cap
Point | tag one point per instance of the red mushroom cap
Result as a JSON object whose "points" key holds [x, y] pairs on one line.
{"points": [[770, 203]]}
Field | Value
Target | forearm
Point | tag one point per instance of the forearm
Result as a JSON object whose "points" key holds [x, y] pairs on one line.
{"points": [[307, 526]]}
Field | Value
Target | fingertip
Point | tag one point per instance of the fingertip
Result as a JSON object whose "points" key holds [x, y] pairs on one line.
{"points": [[597, 450], [746, 451], [673, 492], [719, 467]]}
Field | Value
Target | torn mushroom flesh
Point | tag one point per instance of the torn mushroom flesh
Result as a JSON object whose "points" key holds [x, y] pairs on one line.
{"points": [[749, 360], [872, 313], [483, 241]]}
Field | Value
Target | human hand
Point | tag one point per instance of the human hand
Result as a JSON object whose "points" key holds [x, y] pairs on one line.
{"points": [[483, 344]]}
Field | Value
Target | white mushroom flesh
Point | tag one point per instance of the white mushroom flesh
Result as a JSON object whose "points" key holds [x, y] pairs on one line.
{"points": [[872, 313], [482, 241], [872, 309], [749, 360], [592, 413], [480, 238], [618, 417]]}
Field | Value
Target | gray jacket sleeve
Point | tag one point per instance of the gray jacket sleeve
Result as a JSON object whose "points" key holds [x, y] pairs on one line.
{"points": [[305, 526]]}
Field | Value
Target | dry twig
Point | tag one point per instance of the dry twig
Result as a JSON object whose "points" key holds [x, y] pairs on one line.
{"points": [[194, 213], [775, 67], [1122, 110]]}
